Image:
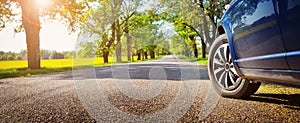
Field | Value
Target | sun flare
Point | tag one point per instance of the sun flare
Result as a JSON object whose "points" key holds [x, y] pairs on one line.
{"points": [[42, 3]]}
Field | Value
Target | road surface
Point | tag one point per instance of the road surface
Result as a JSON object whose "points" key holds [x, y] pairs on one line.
{"points": [[164, 90]]}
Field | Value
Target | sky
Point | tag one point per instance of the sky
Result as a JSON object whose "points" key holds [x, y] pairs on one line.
{"points": [[53, 36]]}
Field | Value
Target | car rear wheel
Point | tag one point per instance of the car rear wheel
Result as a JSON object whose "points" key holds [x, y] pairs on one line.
{"points": [[223, 75]]}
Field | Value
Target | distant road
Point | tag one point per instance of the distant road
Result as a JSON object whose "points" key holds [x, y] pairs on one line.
{"points": [[165, 90]]}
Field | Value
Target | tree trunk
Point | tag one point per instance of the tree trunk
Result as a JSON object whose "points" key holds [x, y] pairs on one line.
{"points": [[31, 23], [146, 55], [195, 50], [194, 46], [207, 37], [152, 54], [203, 50], [128, 47], [119, 44], [105, 56], [128, 44], [139, 55], [119, 52]]}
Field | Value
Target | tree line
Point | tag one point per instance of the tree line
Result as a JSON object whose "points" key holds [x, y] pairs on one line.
{"points": [[195, 23], [45, 54]]}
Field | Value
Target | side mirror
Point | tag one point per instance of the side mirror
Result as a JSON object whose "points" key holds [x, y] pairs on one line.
{"points": [[227, 6]]}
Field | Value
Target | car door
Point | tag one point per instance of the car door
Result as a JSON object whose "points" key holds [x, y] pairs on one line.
{"points": [[257, 40], [289, 11]]}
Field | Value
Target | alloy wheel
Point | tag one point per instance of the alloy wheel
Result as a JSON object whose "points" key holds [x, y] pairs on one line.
{"points": [[224, 70]]}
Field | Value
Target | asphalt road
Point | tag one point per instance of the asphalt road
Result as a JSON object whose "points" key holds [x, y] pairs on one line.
{"points": [[164, 90]]}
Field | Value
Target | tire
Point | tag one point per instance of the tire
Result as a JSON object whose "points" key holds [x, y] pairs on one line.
{"points": [[223, 75]]}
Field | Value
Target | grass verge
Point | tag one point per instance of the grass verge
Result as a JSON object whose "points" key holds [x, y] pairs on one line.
{"points": [[202, 61]]}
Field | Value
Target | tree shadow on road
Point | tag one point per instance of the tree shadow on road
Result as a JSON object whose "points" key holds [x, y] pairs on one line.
{"points": [[290, 101]]}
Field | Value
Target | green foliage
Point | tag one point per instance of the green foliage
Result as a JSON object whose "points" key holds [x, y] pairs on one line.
{"points": [[195, 19], [2, 52], [214, 9], [6, 13], [87, 50], [68, 54], [3, 57], [56, 55], [10, 57], [179, 45], [18, 57], [71, 12], [104, 24], [138, 21], [23, 54], [146, 38], [45, 54], [111, 20]]}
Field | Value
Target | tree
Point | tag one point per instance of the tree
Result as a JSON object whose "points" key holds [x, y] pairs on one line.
{"points": [[188, 33], [68, 10], [211, 12], [128, 8], [3, 57], [146, 39], [119, 32], [179, 45], [160, 43], [87, 50], [200, 16], [214, 9], [10, 57], [2, 53], [103, 23], [110, 21], [68, 54], [56, 55], [186, 21], [134, 32], [18, 57], [45, 54], [23, 54]]}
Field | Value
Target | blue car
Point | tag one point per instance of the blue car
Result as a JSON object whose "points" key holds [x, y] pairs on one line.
{"points": [[257, 42]]}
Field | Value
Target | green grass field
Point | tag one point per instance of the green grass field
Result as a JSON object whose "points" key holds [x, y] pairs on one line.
{"points": [[203, 61], [10, 69]]}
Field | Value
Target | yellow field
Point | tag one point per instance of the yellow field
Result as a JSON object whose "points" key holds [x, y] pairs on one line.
{"points": [[59, 63]]}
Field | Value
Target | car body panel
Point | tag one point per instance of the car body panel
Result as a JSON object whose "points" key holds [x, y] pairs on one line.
{"points": [[258, 47], [289, 11], [280, 76], [256, 33]]}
